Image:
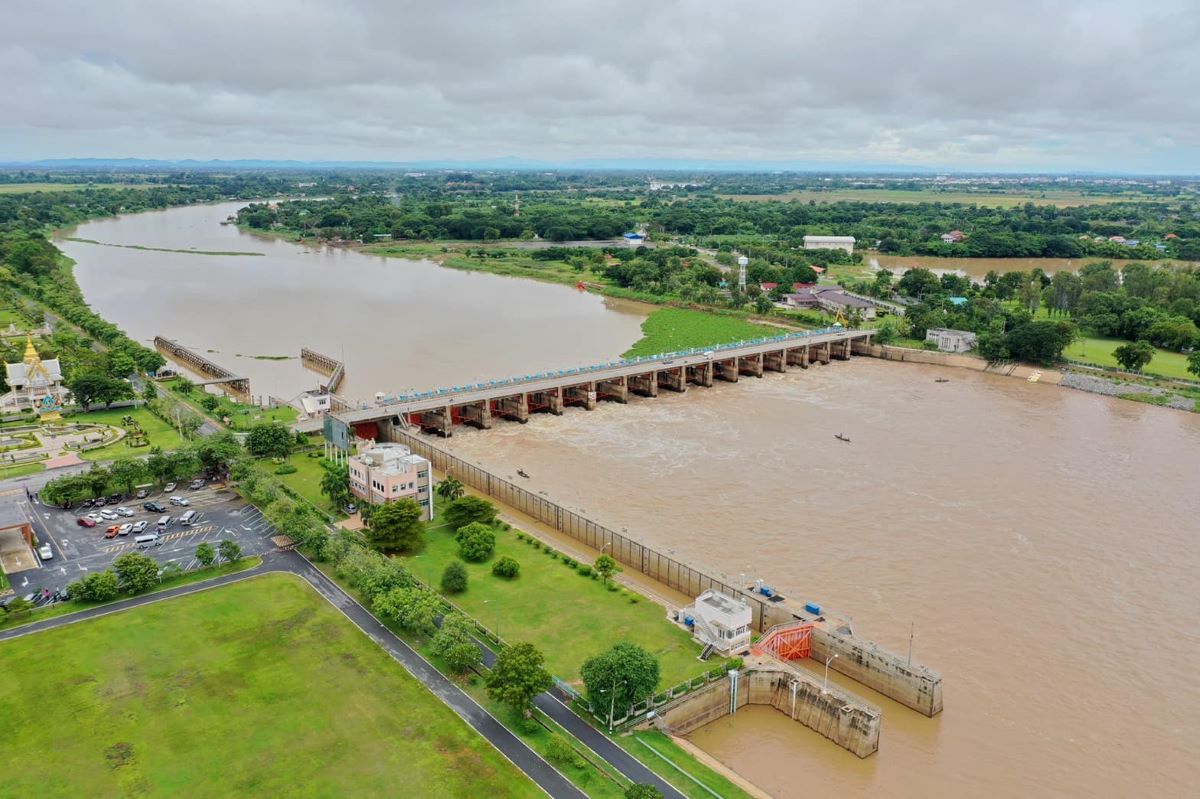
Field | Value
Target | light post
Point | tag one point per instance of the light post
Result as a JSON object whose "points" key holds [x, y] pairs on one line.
{"points": [[828, 660], [496, 618], [612, 703]]}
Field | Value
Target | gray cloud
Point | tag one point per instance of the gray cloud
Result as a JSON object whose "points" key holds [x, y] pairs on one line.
{"points": [[1019, 84]]}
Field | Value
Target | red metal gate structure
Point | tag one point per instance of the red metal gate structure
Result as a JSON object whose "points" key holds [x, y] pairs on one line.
{"points": [[790, 641]]}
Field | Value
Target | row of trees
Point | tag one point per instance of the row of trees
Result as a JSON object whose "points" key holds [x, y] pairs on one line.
{"points": [[135, 573]]}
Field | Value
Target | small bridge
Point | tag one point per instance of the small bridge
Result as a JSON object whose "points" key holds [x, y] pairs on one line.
{"points": [[239, 387], [516, 398], [332, 368]]}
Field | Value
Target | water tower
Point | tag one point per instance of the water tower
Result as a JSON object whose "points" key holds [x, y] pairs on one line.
{"points": [[742, 261]]}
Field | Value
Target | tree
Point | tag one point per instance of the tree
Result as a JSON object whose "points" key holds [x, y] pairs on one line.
{"points": [[476, 542], [18, 606], [465, 510], [618, 678], [414, 609], [454, 578], [450, 489], [1193, 363], [454, 642], [1134, 356], [518, 675], [1039, 342], [506, 567], [918, 282], [606, 567], [397, 527], [89, 388], [560, 751], [229, 551], [136, 572], [270, 440], [150, 391], [335, 483], [206, 554], [640, 791], [218, 451], [95, 587], [128, 473]]}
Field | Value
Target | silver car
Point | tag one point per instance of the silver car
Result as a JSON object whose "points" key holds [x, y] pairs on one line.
{"points": [[124, 511], [45, 552]]}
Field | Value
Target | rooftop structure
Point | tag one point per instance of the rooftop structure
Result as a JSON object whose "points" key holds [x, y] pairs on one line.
{"points": [[829, 243], [382, 473], [720, 622], [34, 382]]}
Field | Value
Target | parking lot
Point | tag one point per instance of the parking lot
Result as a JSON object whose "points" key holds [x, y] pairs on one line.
{"points": [[220, 515]]}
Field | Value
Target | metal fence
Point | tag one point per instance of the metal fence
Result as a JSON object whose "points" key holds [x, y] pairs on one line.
{"points": [[624, 550]]}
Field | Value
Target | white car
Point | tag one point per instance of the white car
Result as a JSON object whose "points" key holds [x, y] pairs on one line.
{"points": [[109, 515], [45, 552], [124, 511], [140, 527], [96, 517], [179, 501], [125, 528], [169, 487]]}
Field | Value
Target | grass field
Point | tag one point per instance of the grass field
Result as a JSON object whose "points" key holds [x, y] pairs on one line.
{"points": [[1058, 198], [241, 416], [567, 616], [159, 433], [259, 688], [670, 760], [674, 329], [20, 471], [21, 188], [1099, 351], [305, 481]]}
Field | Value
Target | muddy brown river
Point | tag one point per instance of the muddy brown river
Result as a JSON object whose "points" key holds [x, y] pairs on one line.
{"points": [[1045, 543]]}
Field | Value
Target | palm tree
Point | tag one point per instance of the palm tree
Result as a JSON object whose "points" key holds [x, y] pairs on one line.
{"points": [[450, 489]]}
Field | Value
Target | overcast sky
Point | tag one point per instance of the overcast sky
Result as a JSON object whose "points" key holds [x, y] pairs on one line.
{"points": [[1015, 84]]}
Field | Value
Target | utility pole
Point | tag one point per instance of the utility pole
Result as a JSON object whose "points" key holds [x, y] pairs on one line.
{"points": [[912, 632], [828, 660]]}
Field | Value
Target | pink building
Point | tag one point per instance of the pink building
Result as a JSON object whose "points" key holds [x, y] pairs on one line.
{"points": [[382, 473]]}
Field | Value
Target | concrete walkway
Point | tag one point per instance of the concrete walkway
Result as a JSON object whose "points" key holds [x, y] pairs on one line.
{"points": [[524, 758]]}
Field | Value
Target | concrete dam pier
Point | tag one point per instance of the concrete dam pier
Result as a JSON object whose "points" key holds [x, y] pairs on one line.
{"points": [[837, 715]]}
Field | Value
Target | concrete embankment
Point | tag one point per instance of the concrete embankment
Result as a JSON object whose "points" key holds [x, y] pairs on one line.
{"points": [[907, 355], [846, 720], [1112, 388]]}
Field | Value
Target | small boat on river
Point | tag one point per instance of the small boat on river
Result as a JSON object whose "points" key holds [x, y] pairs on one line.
{"points": [[841, 437], [522, 473], [942, 380]]}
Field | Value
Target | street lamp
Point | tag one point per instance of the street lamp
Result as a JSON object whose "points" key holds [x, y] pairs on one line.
{"points": [[496, 619], [612, 702], [828, 660]]}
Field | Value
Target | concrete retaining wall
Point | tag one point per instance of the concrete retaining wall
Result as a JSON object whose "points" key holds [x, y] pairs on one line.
{"points": [[907, 355], [912, 685], [842, 718]]}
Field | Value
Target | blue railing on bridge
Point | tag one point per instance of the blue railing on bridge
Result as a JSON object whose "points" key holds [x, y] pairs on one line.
{"points": [[579, 370]]}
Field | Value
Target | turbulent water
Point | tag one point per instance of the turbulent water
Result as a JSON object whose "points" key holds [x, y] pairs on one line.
{"points": [[1042, 541], [397, 324]]}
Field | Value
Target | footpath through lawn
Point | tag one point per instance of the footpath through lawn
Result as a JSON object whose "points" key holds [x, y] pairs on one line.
{"points": [[258, 688]]}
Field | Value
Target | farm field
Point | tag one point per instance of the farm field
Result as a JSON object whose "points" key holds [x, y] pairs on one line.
{"points": [[673, 329], [1057, 198]]}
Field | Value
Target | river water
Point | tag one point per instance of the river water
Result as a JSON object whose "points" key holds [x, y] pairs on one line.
{"points": [[1042, 541], [397, 324]]}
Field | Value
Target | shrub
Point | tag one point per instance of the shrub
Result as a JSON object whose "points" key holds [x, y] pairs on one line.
{"points": [[476, 542], [506, 567], [634, 599], [286, 468], [467, 510], [560, 752], [585, 571], [520, 536], [454, 578], [614, 587]]}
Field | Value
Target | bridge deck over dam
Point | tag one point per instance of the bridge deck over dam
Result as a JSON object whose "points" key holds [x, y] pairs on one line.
{"points": [[516, 398]]}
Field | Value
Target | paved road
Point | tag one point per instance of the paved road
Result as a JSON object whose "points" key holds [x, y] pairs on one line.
{"points": [[595, 740], [524, 758]]}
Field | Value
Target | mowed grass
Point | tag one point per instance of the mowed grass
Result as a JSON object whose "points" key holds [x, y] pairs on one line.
{"points": [[159, 433], [1099, 351], [567, 616], [306, 480], [674, 329], [1057, 198], [255, 689]]}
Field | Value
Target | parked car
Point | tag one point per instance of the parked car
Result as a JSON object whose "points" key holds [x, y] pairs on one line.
{"points": [[112, 531], [154, 507], [87, 503], [125, 528], [95, 517], [84, 521], [113, 499], [169, 487], [351, 508], [179, 501], [124, 511], [142, 493], [110, 515], [140, 526], [196, 484], [100, 502], [45, 552]]}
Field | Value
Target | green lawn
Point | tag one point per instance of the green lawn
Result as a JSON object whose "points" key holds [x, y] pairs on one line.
{"points": [[1099, 351], [568, 617], [674, 329], [305, 481], [20, 471], [159, 433], [241, 416], [671, 759], [259, 688], [1060, 198]]}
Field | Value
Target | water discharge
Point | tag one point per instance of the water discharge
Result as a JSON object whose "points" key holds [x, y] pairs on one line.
{"points": [[1042, 541]]}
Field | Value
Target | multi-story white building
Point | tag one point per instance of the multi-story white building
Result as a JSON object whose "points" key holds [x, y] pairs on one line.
{"points": [[829, 243], [721, 621], [382, 473]]}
